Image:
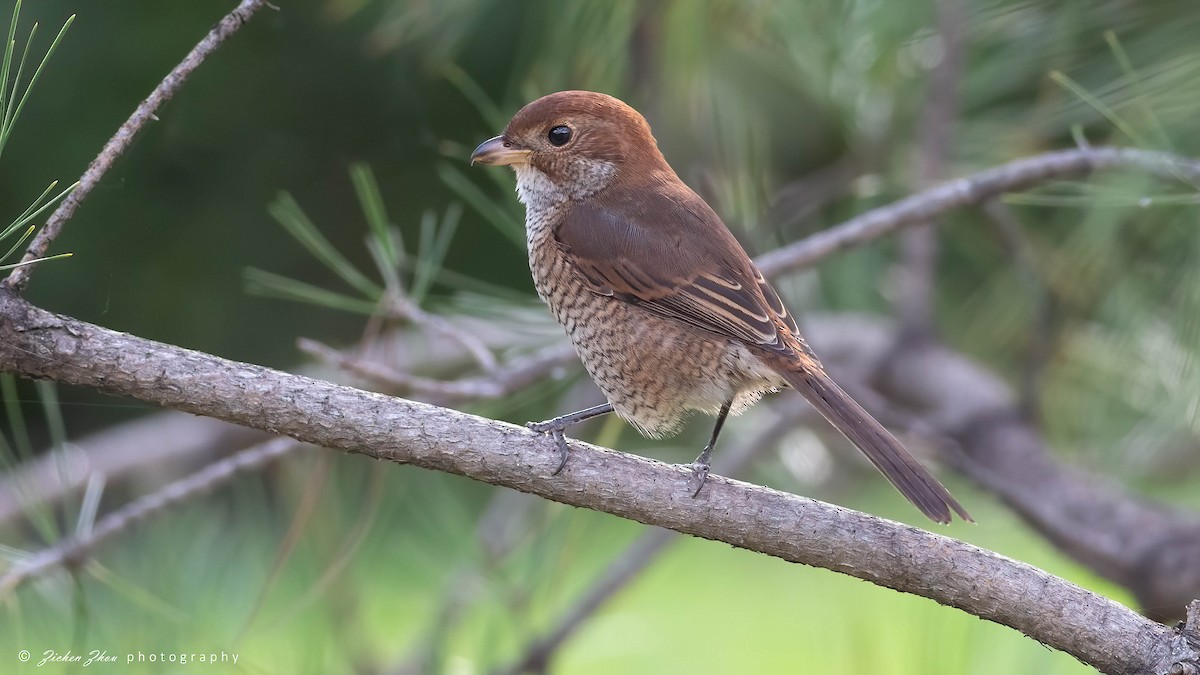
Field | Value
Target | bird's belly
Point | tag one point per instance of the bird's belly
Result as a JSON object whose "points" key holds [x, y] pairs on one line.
{"points": [[653, 370]]}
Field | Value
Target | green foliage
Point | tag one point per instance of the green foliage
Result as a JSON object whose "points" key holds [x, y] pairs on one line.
{"points": [[505, 220], [17, 449], [34, 210], [11, 105], [384, 243]]}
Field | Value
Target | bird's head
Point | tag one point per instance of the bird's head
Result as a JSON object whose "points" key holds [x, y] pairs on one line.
{"points": [[572, 144]]}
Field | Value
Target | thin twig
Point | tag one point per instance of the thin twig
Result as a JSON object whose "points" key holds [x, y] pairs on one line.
{"points": [[116, 145], [505, 379], [403, 307], [74, 549], [538, 653], [167, 438], [1020, 174]]}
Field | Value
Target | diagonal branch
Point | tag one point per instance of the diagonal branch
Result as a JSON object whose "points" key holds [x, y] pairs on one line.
{"points": [[1098, 631], [1021, 174], [116, 145], [113, 453], [501, 381], [73, 549]]}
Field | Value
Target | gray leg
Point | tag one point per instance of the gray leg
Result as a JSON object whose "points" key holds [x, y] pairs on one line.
{"points": [[555, 427], [700, 466]]}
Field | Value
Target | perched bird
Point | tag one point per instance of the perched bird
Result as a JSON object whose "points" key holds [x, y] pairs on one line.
{"points": [[665, 309]]}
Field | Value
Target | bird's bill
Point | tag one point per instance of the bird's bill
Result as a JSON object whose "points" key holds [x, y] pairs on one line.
{"points": [[499, 151]]}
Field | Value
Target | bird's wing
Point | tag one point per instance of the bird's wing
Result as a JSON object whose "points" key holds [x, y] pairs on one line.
{"points": [[669, 253]]}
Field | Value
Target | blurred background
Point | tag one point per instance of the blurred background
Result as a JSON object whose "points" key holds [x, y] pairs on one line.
{"points": [[310, 182]]}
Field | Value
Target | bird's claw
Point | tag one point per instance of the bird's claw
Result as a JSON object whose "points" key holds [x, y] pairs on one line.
{"points": [[555, 429], [699, 477], [700, 469]]}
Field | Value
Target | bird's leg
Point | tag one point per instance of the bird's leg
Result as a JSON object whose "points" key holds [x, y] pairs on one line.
{"points": [[700, 466], [555, 427]]}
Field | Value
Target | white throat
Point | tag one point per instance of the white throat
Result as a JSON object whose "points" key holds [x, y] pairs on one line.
{"points": [[539, 193]]}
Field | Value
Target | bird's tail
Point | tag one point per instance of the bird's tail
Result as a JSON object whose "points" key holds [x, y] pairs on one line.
{"points": [[881, 447]]}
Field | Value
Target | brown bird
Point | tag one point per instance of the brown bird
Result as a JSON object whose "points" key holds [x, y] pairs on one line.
{"points": [[665, 309]]}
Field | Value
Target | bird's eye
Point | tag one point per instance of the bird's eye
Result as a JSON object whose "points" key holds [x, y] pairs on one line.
{"points": [[559, 135]]}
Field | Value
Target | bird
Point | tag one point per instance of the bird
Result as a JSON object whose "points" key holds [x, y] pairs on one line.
{"points": [[664, 307]]}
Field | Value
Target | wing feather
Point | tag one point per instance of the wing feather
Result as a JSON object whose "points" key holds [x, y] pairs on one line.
{"points": [[637, 254]]}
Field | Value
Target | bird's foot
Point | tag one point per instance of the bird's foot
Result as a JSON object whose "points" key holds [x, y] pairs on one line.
{"points": [[700, 470], [555, 427], [699, 477]]}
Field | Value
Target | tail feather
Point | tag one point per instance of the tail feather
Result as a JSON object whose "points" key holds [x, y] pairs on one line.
{"points": [[880, 446]]}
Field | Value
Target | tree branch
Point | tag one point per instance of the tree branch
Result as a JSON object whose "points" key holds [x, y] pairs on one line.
{"points": [[501, 381], [116, 145], [1098, 631], [71, 550], [146, 442], [1020, 174]]}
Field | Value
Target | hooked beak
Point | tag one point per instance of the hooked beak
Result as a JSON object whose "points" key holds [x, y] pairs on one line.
{"points": [[499, 151]]}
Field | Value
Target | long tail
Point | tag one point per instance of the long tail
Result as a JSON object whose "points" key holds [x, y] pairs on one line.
{"points": [[881, 447]]}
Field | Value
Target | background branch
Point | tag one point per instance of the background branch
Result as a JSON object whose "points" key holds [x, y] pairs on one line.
{"points": [[36, 343], [501, 381], [1020, 174], [1149, 548], [72, 550], [151, 443]]}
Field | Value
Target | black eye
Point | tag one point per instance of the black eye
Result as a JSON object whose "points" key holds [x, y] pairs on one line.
{"points": [[559, 135]]}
